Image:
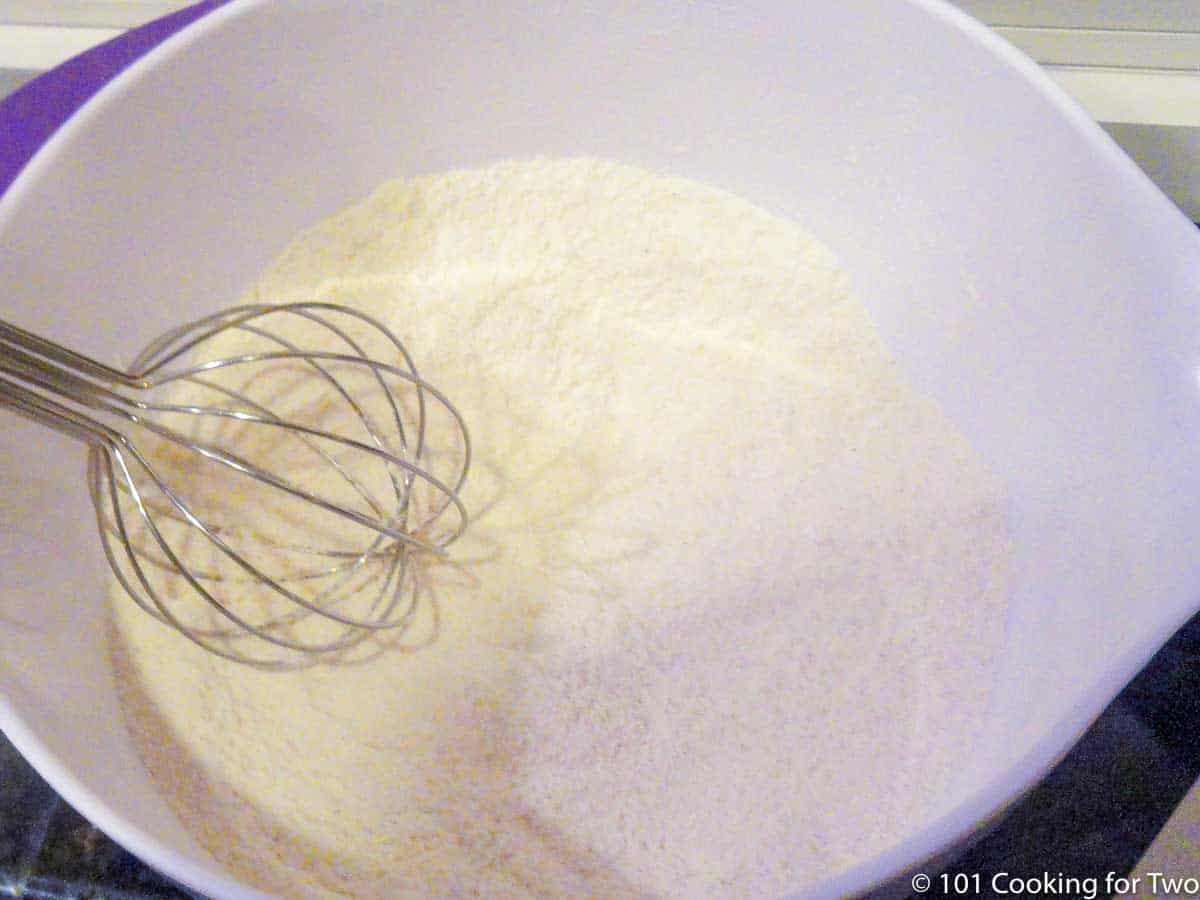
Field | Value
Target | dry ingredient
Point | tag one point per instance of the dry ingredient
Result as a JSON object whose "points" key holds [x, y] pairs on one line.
{"points": [[729, 610]]}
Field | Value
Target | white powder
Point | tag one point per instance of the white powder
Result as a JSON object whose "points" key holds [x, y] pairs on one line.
{"points": [[728, 613]]}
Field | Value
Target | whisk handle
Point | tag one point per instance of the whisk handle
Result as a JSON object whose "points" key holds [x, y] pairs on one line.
{"points": [[13, 337], [45, 411], [39, 378]]}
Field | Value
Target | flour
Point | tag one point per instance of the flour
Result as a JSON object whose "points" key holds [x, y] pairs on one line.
{"points": [[728, 612]]}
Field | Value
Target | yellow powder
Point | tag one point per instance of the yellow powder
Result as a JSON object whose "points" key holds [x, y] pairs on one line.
{"points": [[729, 610]]}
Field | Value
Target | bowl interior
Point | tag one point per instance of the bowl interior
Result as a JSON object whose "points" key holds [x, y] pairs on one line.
{"points": [[1024, 272]]}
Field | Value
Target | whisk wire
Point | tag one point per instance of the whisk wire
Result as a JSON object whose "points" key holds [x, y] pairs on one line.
{"points": [[360, 587]]}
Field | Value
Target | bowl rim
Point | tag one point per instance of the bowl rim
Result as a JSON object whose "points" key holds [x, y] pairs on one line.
{"points": [[906, 856]]}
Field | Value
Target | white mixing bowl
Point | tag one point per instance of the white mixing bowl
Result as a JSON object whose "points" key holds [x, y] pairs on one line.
{"points": [[1024, 271]]}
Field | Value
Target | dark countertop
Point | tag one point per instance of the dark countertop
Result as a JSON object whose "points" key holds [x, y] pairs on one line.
{"points": [[49, 852]]}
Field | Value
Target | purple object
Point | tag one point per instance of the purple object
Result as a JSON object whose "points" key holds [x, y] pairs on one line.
{"points": [[33, 112]]}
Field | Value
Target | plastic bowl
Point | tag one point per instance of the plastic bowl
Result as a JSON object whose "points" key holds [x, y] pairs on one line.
{"points": [[1026, 274]]}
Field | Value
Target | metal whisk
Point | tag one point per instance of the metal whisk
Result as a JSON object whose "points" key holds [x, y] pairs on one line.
{"points": [[269, 480]]}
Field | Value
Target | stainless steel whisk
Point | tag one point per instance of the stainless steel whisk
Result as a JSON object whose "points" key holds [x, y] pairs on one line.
{"points": [[269, 480]]}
